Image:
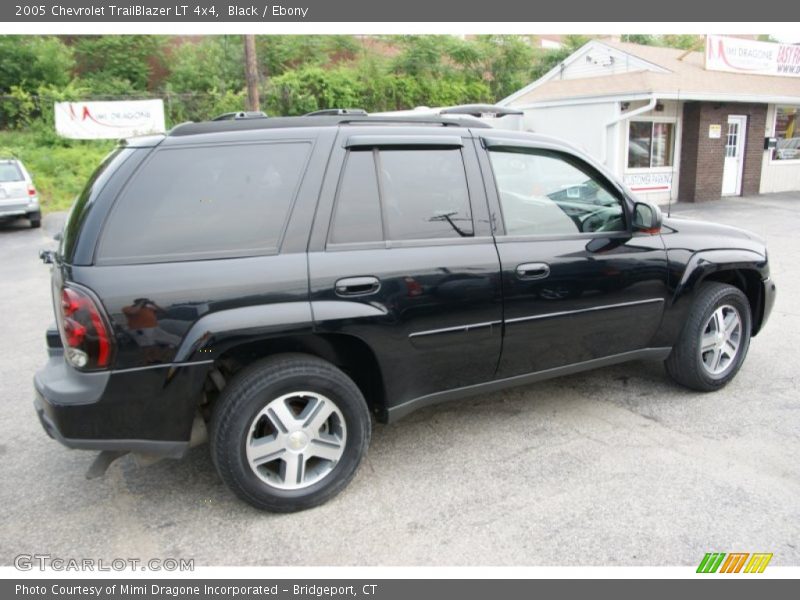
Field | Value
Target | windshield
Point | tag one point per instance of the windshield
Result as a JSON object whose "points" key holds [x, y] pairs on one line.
{"points": [[9, 171]]}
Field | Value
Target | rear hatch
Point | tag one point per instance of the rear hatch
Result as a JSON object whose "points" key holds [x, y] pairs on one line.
{"points": [[13, 186]]}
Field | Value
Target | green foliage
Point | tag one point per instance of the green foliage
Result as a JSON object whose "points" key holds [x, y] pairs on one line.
{"points": [[26, 62], [17, 108], [278, 54], [686, 41], [312, 88], [59, 173], [213, 63], [130, 58]]}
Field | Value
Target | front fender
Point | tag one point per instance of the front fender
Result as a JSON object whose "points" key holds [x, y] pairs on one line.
{"points": [[688, 270], [701, 264]]}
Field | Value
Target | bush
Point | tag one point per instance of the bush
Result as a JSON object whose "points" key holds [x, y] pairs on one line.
{"points": [[31, 61], [59, 172]]}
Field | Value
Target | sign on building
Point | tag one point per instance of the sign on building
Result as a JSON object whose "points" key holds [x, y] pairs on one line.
{"points": [[109, 120], [749, 56], [649, 182]]}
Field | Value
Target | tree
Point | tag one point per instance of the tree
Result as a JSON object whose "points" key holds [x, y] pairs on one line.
{"points": [[130, 58], [31, 61], [251, 72]]}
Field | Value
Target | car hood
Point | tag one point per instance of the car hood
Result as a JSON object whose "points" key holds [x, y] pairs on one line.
{"points": [[700, 235]]}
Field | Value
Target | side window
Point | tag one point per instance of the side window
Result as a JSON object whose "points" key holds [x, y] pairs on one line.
{"points": [[357, 217], [549, 193], [205, 202], [424, 194]]}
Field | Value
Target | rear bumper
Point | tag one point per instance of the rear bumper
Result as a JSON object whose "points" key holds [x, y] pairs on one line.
{"points": [[44, 411], [146, 410], [18, 207]]}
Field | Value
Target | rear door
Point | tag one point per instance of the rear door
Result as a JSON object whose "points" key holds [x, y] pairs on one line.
{"points": [[402, 258], [578, 284]]}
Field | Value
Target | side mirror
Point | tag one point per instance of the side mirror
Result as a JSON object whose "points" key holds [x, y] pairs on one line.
{"points": [[647, 218]]}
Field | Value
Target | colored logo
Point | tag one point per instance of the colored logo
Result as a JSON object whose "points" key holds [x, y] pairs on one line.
{"points": [[734, 562]]}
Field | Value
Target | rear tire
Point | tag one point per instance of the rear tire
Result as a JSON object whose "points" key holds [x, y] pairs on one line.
{"points": [[35, 220], [289, 432], [714, 341]]}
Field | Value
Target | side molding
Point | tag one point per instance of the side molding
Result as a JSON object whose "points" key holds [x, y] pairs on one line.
{"points": [[396, 412]]}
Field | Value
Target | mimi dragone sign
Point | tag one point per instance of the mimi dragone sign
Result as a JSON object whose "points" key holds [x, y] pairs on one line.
{"points": [[109, 120]]}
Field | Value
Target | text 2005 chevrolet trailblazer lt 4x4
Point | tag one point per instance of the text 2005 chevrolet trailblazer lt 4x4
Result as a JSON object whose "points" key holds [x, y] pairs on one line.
{"points": [[274, 281]]}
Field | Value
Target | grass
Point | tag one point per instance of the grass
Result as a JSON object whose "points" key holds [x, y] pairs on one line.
{"points": [[60, 168]]}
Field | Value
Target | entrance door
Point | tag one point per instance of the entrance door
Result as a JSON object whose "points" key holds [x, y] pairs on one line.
{"points": [[734, 156]]}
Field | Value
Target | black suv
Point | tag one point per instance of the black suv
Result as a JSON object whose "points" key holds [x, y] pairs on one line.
{"points": [[273, 281]]}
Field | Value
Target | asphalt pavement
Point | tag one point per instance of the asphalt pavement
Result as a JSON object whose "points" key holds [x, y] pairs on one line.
{"points": [[618, 466]]}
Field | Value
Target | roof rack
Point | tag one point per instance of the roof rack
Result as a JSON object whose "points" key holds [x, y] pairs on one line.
{"points": [[228, 125], [242, 114], [480, 110], [335, 112]]}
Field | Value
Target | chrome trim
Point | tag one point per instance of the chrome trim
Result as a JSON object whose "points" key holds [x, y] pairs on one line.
{"points": [[582, 310], [163, 366], [453, 329]]}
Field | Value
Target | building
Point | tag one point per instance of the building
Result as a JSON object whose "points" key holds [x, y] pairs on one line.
{"points": [[672, 123]]}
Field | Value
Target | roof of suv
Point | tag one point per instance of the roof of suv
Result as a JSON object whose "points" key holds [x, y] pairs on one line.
{"points": [[232, 125]]}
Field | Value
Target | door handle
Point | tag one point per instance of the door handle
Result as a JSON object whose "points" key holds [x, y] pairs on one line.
{"points": [[535, 270], [357, 286]]}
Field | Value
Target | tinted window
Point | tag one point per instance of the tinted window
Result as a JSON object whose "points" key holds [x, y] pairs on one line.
{"points": [[424, 194], [205, 202], [9, 172], [357, 217], [547, 193]]}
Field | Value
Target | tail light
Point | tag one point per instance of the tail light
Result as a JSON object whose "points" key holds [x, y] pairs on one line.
{"points": [[84, 331], [31, 190]]}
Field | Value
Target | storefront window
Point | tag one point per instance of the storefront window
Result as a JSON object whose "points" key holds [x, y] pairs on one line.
{"points": [[650, 144], [786, 130]]}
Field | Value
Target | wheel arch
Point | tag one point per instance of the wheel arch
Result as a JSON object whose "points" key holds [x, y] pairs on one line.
{"points": [[349, 353], [743, 269]]}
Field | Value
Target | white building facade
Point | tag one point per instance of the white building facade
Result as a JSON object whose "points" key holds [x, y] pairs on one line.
{"points": [[668, 123]]}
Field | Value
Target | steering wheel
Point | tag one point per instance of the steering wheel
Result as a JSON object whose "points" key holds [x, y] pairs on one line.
{"points": [[597, 220]]}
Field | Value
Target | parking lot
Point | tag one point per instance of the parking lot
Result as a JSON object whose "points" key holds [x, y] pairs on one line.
{"points": [[618, 466]]}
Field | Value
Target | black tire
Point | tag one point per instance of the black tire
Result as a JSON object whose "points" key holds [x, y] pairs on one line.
{"points": [[35, 222], [249, 392], [685, 362]]}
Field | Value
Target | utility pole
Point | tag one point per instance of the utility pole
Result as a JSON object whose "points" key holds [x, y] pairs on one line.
{"points": [[251, 72]]}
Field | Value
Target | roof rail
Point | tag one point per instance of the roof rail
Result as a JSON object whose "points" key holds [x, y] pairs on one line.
{"points": [[337, 112], [242, 114], [480, 110], [233, 124], [443, 121]]}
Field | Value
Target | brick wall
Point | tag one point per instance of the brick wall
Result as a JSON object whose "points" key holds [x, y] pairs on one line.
{"points": [[703, 159]]}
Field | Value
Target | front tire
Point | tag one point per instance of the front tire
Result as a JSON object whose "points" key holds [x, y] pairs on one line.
{"points": [[714, 340], [289, 432]]}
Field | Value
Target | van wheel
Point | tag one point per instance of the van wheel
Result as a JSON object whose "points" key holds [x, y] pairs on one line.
{"points": [[289, 432], [714, 340]]}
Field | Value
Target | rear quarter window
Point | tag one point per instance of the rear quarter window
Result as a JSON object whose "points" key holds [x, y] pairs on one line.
{"points": [[201, 202], [9, 172]]}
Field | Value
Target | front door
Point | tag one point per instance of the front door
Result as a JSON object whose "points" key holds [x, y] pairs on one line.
{"points": [[578, 283], [734, 156]]}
